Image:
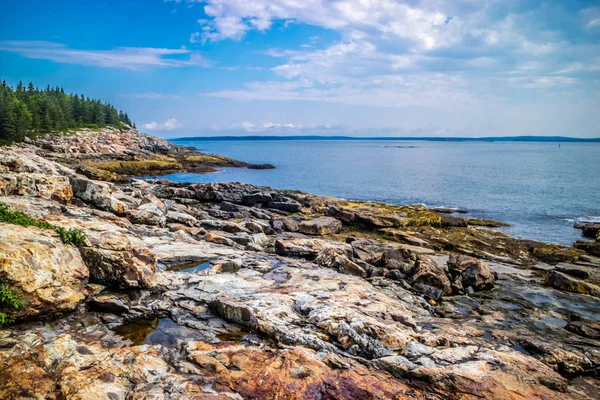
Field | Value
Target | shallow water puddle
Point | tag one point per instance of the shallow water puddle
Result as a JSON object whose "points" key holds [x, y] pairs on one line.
{"points": [[162, 331], [137, 330], [233, 336], [190, 267]]}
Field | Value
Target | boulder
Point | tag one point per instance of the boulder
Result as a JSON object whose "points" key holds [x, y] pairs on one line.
{"points": [[590, 230], [115, 303], [368, 250], [401, 236], [186, 219], [97, 194], [398, 259], [285, 224], [145, 217], [258, 226], [232, 192], [220, 239], [320, 226], [229, 207], [554, 254], [38, 185], [428, 272], [589, 329], [285, 204], [592, 248], [343, 214], [49, 275], [471, 272], [448, 221], [573, 270], [118, 260], [256, 198], [307, 248], [337, 259], [561, 281]]}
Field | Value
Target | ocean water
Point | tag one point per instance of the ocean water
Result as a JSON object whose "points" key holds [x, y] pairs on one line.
{"points": [[541, 189]]}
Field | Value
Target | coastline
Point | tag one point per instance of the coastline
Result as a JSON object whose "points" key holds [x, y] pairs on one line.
{"points": [[538, 139], [309, 295]]}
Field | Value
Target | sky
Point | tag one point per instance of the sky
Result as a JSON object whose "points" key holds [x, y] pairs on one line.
{"points": [[466, 68]]}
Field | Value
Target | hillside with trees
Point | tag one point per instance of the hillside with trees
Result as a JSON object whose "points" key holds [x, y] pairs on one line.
{"points": [[27, 111]]}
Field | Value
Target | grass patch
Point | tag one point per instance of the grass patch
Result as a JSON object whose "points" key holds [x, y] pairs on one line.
{"points": [[208, 159], [139, 167], [100, 174], [9, 301], [70, 236]]}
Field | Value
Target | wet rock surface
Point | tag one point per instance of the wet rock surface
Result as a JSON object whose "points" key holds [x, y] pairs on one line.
{"points": [[228, 290]]}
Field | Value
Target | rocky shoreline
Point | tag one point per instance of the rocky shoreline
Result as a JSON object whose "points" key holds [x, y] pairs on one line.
{"points": [[231, 291]]}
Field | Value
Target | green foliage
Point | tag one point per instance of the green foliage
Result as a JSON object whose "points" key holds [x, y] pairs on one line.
{"points": [[5, 320], [26, 111], [70, 236], [9, 300], [73, 236]]}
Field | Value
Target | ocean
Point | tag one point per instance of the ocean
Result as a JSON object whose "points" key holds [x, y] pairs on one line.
{"points": [[541, 189]]}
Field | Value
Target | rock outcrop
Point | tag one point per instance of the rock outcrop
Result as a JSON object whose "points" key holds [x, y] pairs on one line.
{"points": [[320, 226], [49, 275], [229, 290]]}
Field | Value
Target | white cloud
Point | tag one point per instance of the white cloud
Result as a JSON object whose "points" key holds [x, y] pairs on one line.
{"points": [[592, 17], [120, 57], [276, 128], [260, 127], [168, 125], [480, 60], [425, 27]]}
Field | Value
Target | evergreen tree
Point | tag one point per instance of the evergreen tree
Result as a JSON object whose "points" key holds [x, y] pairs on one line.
{"points": [[29, 110], [17, 120]]}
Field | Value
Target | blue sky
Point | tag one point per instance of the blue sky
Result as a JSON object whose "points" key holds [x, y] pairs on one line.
{"points": [[329, 67]]}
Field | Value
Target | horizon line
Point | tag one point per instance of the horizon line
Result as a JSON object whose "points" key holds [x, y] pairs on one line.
{"points": [[405, 138]]}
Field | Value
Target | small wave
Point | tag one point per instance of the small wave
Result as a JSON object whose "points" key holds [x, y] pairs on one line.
{"points": [[585, 218], [430, 206]]}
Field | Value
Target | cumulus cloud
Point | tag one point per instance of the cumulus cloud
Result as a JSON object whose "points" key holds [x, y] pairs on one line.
{"points": [[454, 56], [168, 125], [259, 127], [277, 128], [120, 57], [232, 19], [424, 52]]}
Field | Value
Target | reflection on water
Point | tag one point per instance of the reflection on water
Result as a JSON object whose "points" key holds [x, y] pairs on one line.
{"points": [[163, 331], [137, 330], [235, 336], [166, 332], [190, 267]]}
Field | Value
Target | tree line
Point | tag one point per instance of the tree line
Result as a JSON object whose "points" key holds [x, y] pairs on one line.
{"points": [[27, 111]]}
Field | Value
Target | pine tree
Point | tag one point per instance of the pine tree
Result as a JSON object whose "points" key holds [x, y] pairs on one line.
{"points": [[27, 110]]}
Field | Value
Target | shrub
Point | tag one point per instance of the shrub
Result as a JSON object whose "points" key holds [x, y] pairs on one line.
{"points": [[70, 236], [9, 300]]}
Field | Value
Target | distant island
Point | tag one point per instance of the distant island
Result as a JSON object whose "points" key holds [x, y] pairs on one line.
{"points": [[421, 138]]}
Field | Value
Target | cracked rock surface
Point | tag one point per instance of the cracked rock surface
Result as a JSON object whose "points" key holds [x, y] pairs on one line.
{"points": [[231, 291]]}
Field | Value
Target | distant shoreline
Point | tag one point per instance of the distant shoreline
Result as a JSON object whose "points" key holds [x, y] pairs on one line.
{"points": [[540, 139]]}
